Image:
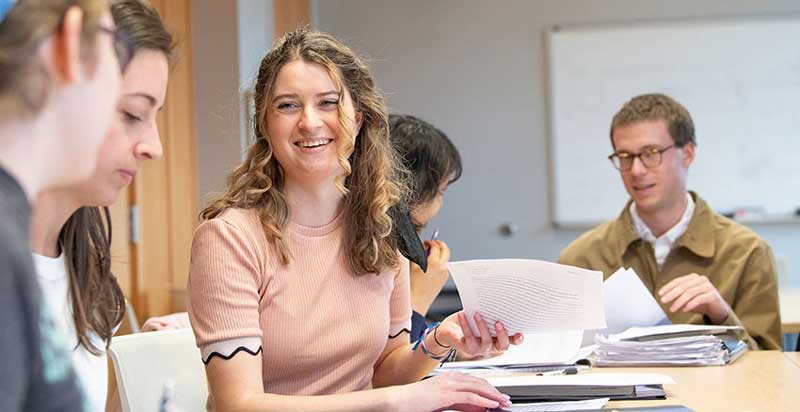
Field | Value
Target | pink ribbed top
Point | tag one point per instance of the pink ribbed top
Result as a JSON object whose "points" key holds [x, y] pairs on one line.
{"points": [[321, 328]]}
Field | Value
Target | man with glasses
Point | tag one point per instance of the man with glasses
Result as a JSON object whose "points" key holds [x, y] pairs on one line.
{"points": [[700, 266]]}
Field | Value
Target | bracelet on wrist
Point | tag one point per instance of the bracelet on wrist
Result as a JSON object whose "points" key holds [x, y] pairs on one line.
{"points": [[437, 340], [420, 343]]}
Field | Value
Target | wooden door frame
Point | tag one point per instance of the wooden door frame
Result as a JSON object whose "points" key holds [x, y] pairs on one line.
{"points": [[165, 191]]}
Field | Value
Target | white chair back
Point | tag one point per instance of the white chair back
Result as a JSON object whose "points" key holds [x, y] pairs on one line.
{"points": [[143, 362]]}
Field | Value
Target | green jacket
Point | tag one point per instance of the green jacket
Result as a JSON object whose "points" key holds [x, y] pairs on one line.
{"points": [[736, 260]]}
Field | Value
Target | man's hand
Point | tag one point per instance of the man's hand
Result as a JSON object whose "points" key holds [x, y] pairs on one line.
{"points": [[695, 293]]}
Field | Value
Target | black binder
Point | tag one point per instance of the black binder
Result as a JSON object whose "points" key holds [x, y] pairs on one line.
{"points": [[555, 393]]}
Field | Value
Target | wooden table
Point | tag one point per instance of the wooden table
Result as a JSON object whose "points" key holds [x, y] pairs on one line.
{"points": [[758, 381], [790, 310], [794, 357]]}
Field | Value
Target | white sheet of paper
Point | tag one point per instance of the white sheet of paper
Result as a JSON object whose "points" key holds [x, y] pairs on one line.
{"points": [[530, 296], [583, 379], [589, 404], [537, 348], [627, 303]]}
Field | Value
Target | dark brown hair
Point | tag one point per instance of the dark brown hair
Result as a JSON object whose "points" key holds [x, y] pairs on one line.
{"points": [[372, 175], [143, 25], [97, 301]]}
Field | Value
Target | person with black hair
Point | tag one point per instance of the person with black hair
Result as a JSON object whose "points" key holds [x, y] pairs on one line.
{"points": [[433, 163]]}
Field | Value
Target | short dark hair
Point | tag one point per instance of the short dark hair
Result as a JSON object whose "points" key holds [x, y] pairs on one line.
{"points": [[656, 106], [428, 155]]}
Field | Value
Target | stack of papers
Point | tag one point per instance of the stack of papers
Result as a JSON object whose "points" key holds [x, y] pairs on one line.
{"points": [[670, 345]]}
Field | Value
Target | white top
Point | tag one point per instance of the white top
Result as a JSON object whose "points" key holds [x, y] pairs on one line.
{"points": [[663, 244], [92, 370]]}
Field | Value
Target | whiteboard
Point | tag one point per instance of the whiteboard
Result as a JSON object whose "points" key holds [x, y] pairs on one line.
{"points": [[739, 79]]}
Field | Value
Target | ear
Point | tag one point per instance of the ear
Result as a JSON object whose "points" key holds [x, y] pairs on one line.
{"points": [[688, 154], [65, 47]]}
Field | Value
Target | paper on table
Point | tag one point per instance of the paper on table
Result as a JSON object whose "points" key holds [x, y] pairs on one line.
{"points": [[622, 291], [589, 404], [537, 348], [638, 332], [582, 379], [530, 296]]}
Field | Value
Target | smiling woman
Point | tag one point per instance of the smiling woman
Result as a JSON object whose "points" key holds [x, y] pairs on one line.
{"points": [[303, 121], [360, 139], [297, 295]]}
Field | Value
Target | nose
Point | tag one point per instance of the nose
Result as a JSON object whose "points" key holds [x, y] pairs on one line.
{"points": [[310, 120], [149, 148], [637, 167]]}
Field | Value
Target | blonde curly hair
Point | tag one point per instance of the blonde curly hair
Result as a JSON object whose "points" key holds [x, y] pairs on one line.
{"points": [[372, 179]]}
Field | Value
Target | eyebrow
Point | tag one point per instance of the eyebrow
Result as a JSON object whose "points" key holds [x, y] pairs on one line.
{"points": [[150, 99], [647, 147], [295, 95]]}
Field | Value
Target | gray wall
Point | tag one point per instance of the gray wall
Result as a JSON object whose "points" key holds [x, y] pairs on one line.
{"points": [[229, 39], [216, 88], [477, 70]]}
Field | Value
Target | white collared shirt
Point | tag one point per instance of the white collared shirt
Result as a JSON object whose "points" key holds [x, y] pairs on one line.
{"points": [[663, 244]]}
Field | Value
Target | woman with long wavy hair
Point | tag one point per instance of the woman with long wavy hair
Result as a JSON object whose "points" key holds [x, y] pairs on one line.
{"points": [[71, 228], [59, 78], [298, 297]]}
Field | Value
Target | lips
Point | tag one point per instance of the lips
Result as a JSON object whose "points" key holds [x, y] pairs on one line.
{"points": [[643, 190], [312, 143], [127, 175], [643, 187]]}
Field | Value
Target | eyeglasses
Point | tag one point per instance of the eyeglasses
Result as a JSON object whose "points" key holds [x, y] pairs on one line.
{"points": [[650, 157], [123, 46]]}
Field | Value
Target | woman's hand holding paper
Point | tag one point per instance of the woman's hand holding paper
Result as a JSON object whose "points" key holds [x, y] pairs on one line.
{"points": [[455, 332]]}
